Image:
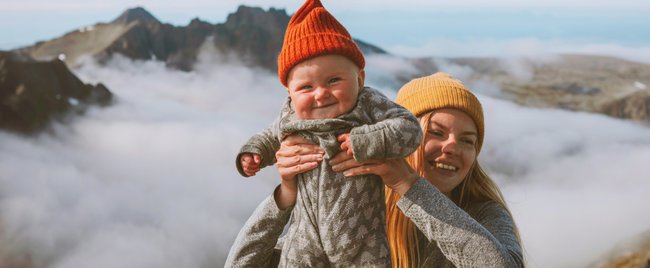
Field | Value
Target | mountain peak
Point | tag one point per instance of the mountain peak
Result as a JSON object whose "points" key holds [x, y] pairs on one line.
{"points": [[273, 21], [135, 14]]}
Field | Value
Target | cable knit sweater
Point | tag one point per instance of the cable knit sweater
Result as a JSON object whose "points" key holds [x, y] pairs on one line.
{"points": [[482, 236]]}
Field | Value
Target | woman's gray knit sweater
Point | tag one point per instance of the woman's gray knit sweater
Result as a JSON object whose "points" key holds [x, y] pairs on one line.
{"points": [[484, 236]]}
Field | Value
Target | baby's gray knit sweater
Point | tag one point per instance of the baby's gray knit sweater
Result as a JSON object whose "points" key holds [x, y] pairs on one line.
{"points": [[339, 221], [482, 236]]}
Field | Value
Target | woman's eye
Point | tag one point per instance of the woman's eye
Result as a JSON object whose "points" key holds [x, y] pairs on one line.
{"points": [[468, 141], [436, 133]]}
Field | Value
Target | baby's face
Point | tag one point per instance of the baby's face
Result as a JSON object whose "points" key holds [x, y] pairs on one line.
{"points": [[324, 87]]}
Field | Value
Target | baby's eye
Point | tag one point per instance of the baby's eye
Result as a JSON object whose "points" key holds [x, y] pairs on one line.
{"points": [[305, 87], [334, 80]]}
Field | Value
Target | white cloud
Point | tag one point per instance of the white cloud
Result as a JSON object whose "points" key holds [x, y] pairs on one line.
{"points": [[382, 71], [573, 180], [150, 181], [534, 48], [147, 182]]}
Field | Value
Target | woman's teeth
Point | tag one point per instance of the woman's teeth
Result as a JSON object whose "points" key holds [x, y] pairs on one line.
{"points": [[447, 167]]}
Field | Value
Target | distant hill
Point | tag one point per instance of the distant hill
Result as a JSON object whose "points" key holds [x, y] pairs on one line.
{"points": [[597, 84], [589, 83], [252, 34], [32, 93]]}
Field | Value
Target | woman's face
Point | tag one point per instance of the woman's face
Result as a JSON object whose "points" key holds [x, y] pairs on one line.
{"points": [[449, 148]]}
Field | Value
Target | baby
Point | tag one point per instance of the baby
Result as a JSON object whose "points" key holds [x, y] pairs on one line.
{"points": [[336, 221]]}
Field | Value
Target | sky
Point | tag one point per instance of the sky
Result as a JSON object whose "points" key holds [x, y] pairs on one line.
{"points": [[409, 28]]}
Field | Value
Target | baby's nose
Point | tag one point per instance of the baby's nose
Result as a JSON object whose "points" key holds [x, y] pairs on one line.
{"points": [[322, 93]]}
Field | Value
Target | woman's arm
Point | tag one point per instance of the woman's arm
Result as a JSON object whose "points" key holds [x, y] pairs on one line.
{"points": [[487, 241], [296, 155], [394, 173], [254, 244]]}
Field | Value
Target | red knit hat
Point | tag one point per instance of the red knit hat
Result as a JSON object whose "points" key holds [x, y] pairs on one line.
{"points": [[312, 32]]}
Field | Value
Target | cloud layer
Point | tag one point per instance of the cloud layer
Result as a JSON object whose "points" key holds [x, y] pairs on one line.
{"points": [[521, 47], [151, 182]]}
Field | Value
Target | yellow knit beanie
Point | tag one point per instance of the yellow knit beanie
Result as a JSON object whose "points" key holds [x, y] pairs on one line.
{"points": [[440, 90]]}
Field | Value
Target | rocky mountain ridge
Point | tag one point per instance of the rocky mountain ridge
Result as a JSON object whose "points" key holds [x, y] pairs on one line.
{"points": [[597, 84], [251, 33]]}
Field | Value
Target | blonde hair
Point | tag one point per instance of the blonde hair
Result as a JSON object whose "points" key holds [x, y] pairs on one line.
{"points": [[402, 233]]}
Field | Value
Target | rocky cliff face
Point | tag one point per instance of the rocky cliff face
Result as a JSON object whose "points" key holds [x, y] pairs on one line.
{"points": [[252, 34], [32, 93], [135, 34]]}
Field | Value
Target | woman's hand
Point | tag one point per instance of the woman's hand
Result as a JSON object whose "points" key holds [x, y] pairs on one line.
{"points": [[296, 155], [395, 173]]}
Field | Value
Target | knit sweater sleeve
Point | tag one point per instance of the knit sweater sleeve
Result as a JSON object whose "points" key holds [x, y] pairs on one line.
{"points": [[255, 243], [489, 240], [395, 134], [264, 143]]}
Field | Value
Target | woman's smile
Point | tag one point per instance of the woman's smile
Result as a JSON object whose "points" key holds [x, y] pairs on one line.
{"points": [[445, 166]]}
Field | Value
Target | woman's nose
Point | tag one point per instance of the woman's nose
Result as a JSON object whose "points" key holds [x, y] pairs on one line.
{"points": [[449, 145]]}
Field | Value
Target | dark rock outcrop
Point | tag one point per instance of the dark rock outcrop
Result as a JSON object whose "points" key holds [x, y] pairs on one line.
{"points": [[254, 35], [32, 93], [251, 34]]}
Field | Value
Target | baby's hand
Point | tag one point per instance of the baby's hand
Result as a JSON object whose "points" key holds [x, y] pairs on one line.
{"points": [[250, 163], [346, 143]]}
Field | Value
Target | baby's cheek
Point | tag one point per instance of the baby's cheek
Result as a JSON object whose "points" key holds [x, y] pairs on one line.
{"points": [[302, 105]]}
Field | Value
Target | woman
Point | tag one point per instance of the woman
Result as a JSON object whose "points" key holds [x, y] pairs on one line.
{"points": [[442, 209]]}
